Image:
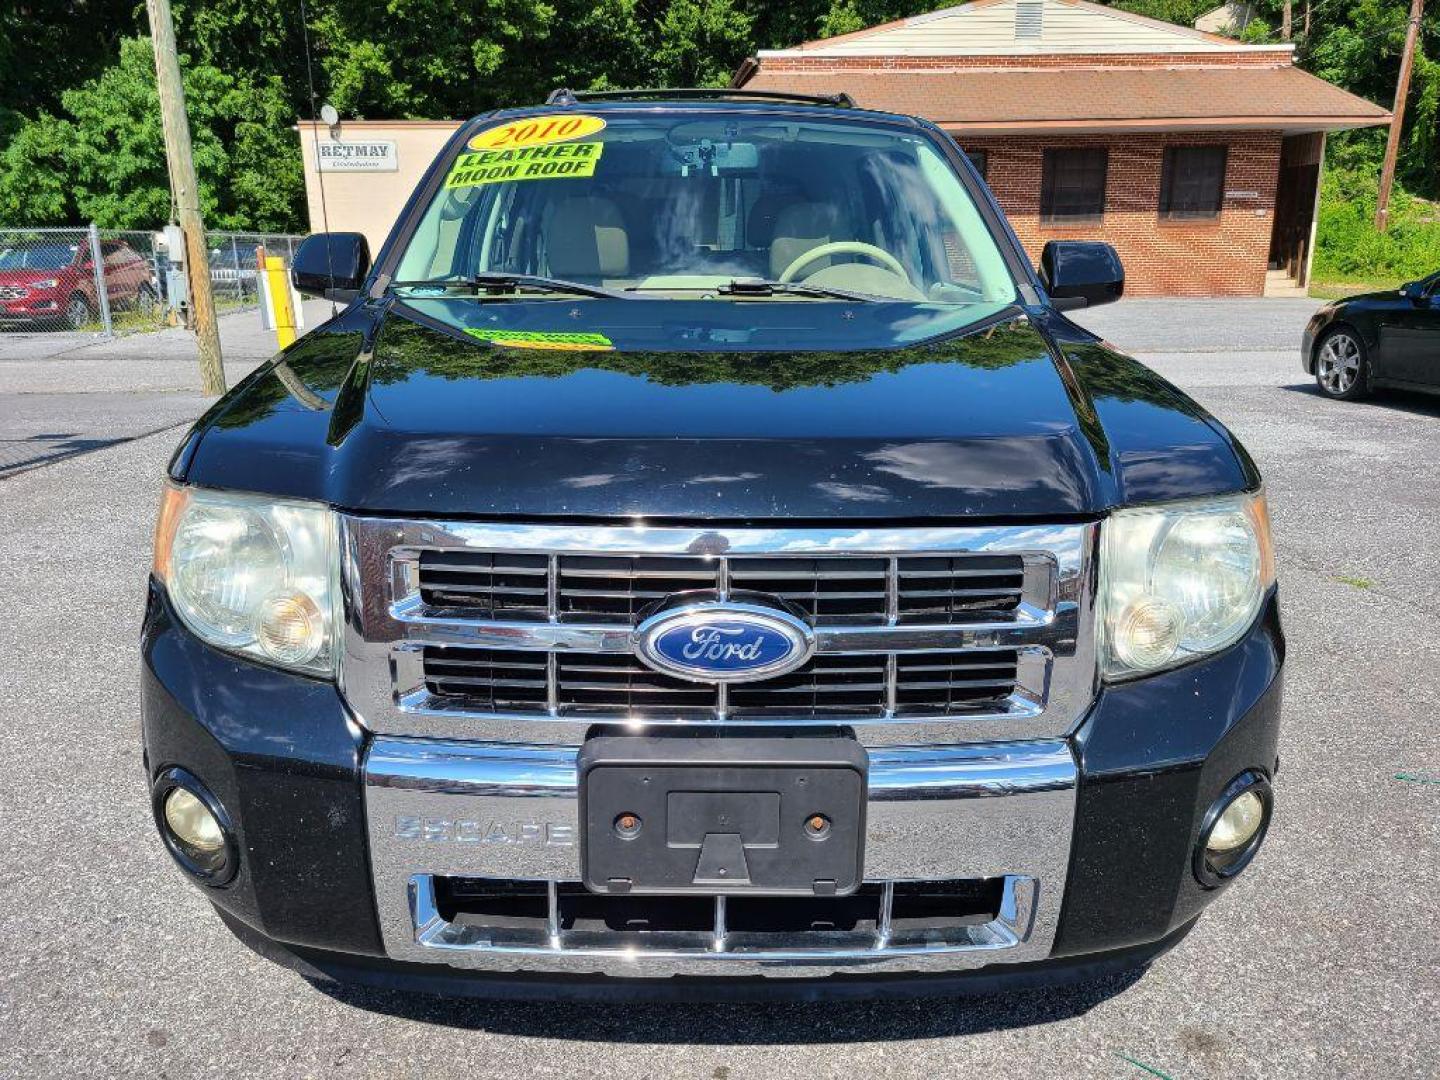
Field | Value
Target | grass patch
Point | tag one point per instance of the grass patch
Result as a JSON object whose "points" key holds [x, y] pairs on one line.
{"points": [[135, 321], [1348, 249], [1355, 582], [127, 321], [1339, 290]]}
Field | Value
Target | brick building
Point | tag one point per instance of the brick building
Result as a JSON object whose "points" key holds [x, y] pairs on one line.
{"points": [[1198, 157]]}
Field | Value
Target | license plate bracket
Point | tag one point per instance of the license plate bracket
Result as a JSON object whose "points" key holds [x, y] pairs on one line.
{"points": [[746, 815]]}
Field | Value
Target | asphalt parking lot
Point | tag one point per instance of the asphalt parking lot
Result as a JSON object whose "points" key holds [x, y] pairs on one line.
{"points": [[1321, 962], [63, 394]]}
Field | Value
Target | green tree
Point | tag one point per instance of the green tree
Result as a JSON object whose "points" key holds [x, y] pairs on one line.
{"points": [[1358, 46], [698, 42], [48, 46], [104, 161], [1180, 12]]}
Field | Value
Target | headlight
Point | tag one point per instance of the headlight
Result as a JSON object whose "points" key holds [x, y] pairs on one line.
{"points": [[48, 283], [1180, 581], [250, 574]]}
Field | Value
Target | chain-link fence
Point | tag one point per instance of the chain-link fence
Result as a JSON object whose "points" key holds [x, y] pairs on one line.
{"points": [[234, 264], [49, 280], [115, 281], [134, 270]]}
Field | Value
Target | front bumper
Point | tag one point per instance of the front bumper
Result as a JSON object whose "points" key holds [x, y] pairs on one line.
{"points": [[341, 834], [1310, 335], [964, 813], [33, 309]]}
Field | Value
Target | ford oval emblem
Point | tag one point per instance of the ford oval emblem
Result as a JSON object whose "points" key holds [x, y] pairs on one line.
{"points": [[720, 642]]}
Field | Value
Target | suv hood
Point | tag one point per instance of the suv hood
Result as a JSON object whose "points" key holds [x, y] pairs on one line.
{"points": [[679, 409]]}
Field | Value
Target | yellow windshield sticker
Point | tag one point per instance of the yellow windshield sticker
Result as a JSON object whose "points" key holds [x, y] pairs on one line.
{"points": [[559, 161], [545, 339], [536, 131]]}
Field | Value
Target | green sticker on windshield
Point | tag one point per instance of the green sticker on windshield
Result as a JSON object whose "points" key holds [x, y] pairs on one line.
{"points": [[544, 339], [554, 161]]}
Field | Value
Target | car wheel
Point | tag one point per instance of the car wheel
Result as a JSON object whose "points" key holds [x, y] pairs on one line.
{"points": [[77, 312], [1342, 370], [145, 300]]}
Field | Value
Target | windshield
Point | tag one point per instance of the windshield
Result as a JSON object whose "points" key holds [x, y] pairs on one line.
{"points": [[50, 257], [682, 205]]}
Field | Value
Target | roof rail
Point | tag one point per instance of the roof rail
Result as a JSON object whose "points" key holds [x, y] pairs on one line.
{"points": [[574, 97]]}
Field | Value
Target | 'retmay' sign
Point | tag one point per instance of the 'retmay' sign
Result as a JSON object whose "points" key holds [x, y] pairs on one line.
{"points": [[370, 155]]}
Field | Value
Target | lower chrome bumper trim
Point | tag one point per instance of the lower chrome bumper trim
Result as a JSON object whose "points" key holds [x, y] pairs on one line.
{"points": [[439, 809], [702, 953]]}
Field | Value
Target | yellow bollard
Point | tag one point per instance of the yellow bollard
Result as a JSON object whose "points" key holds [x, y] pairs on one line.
{"points": [[279, 281]]}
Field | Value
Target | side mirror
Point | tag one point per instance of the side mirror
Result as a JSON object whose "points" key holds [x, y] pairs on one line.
{"points": [[1081, 273], [331, 265], [1413, 290]]}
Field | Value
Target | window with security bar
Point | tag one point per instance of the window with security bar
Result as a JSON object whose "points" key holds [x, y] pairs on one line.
{"points": [[1192, 185], [1072, 188]]}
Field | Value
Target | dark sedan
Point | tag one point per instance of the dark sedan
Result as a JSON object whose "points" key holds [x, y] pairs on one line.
{"points": [[1380, 339]]}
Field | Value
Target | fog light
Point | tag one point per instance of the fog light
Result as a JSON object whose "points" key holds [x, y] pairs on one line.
{"points": [[1237, 824], [1233, 828], [195, 826], [192, 823]]}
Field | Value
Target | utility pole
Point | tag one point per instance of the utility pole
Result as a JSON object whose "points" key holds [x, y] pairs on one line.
{"points": [[186, 192], [1402, 91]]}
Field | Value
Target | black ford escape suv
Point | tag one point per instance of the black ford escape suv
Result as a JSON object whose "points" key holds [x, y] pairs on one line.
{"points": [[701, 559]]}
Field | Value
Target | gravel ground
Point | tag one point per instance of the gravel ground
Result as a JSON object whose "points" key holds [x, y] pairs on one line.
{"points": [[1321, 962]]}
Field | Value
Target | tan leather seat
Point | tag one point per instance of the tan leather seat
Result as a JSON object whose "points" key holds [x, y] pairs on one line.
{"points": [[585, 238], [760, 226], [798, 229]]}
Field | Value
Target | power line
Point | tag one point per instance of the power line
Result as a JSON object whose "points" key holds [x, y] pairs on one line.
{"points": [[1325, 5], [1377, 32], [315, 136], [314, 112]]}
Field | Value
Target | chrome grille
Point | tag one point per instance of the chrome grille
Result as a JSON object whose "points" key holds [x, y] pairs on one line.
{"points": [[828, 591], [958, 587], [829, 684], [492, 679], [951, 682], [619, 589], [518, 633], [13, 292], [616, 588], [499, 586]]}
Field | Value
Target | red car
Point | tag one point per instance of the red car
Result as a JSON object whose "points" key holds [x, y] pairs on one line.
{"points": [[53, 284]]}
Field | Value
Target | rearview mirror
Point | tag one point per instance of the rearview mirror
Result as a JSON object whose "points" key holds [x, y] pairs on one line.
{"points": [[1081, 273], [332, 265]]}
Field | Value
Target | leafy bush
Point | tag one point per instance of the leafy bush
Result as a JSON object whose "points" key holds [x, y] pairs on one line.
{"points": [[1347, 245]]}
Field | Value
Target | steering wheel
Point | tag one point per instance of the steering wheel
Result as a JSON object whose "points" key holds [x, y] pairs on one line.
{"points": [[844, 247]]}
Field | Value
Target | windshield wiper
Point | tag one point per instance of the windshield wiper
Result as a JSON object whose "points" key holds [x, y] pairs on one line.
{"points": [[760, 287], [498, 284]]}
